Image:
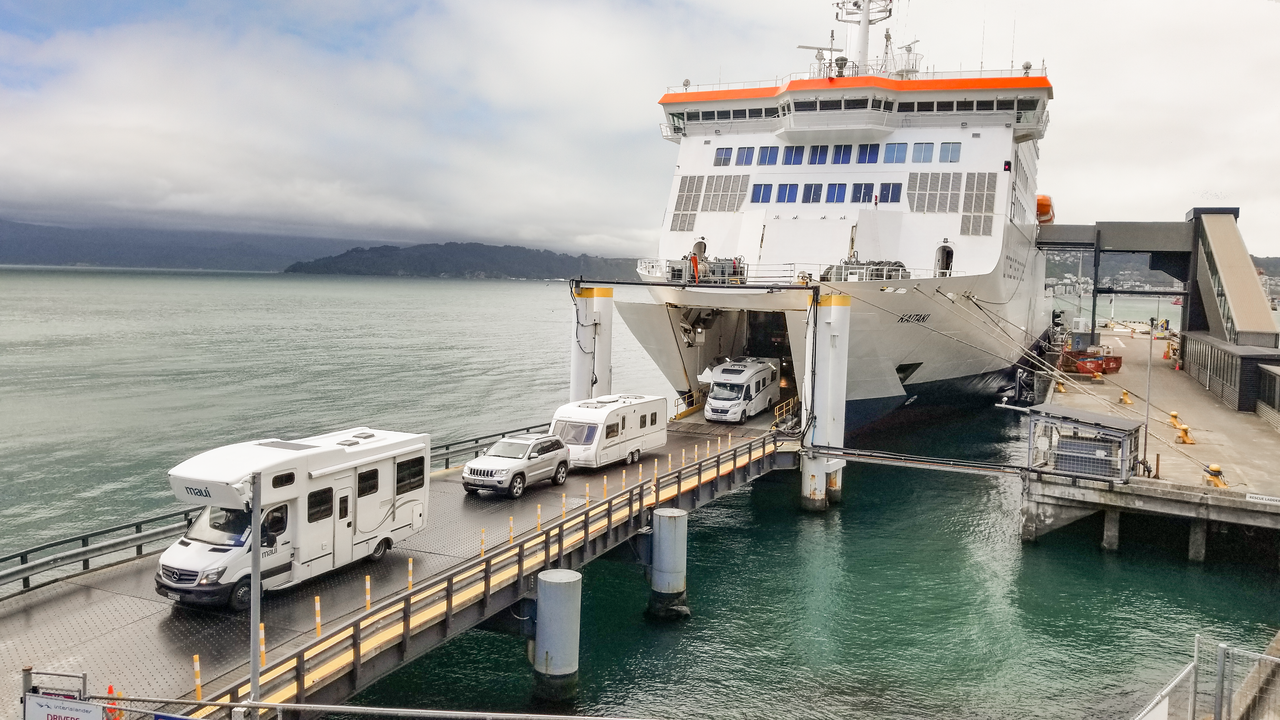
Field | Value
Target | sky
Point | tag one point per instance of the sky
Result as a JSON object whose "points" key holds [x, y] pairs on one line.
{"points": [[536, 123]]}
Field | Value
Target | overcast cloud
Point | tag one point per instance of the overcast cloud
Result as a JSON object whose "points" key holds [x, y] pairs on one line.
{"points": [[536, 123]]}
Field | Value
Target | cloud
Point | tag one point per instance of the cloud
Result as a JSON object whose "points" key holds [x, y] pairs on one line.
{"points": [[537, 122]]}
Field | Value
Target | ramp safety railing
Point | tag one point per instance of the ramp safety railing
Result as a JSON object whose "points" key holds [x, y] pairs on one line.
{"points": [[1222, 683], [433, 607]]}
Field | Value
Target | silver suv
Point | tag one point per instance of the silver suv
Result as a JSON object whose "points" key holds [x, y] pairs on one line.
{"points": [[510, 464]]}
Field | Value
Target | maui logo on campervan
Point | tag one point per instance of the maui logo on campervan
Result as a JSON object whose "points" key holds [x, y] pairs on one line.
{"points": [[198, 492]]}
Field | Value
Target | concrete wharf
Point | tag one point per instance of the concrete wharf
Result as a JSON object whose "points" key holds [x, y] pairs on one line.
{"points": [[111, 622], [1245, 446]]}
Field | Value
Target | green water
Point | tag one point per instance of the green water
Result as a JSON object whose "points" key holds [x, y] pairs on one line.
{"points": [[914, 598]]}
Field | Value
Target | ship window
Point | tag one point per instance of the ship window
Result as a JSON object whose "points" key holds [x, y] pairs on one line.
{"points": [[835, 192], [740, 114], [1004, 104], [949, 152], [818, 154], [812, 193], [830, 105], [755, 112], [771, 112], [895, 153], [906, 107], [842, 155], [806, 105], [723, 155], [761, 193], [924, 107], [722, 114], [793, 155], [856, 104], [964, 106], [367, 483], [888, 106], [1028, 103], [922, 153], [890, 192], [411, 475], [787, 193], [876, 103], [986, 105], [677, 118], [868, 154], [946, 105], [283, 480], [768, 156], [862, 193], [319, 505], [708, 115], [745, 156]]}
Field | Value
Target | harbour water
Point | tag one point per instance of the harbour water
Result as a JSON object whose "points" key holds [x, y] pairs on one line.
{"points": [[914, 598]]}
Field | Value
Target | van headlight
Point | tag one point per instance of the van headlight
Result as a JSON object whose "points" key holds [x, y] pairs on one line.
{"points": [[211, 577]]}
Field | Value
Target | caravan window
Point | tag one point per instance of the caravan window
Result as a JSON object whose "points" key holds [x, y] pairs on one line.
{"points": [[644, 421], [411, 475], [367, 483], [220, 526], [611, 430], [283, 480], [319, 505], [576, 433], [773, 375], [624, 422], [653, 418]]}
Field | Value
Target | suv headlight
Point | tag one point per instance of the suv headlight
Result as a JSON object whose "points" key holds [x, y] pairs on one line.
{"points": [[500, 473], [212, 576]]}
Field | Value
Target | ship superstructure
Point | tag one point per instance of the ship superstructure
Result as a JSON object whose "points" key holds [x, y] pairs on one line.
{"points": [[912, 192]]}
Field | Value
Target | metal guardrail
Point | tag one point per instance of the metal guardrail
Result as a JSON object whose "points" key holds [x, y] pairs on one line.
{"points": [[28, 566], [434, 606]]}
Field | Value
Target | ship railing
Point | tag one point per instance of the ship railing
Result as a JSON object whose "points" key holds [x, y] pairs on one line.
{"points": [[842, 119], [727, 272], [823, 70]]}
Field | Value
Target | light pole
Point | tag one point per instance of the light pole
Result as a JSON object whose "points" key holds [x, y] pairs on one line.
{"points": [[255, 582], [1146, 424]]}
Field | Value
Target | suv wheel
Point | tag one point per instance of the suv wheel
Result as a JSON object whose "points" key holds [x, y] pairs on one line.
{"points": [[562, 474], [517, 487]]}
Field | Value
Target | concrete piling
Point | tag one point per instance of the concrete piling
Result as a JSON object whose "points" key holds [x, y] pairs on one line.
{"points": [[591, 346], [1199, 536], [668, 599], [1111, 530], [823, 396], [554, 650]]}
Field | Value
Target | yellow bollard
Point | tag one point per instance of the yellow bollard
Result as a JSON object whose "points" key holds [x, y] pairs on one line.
{"points": [[262, 644], [624, 479], [367, 595], [318, 633], [604, 494], [719, 448], [511, 529], [655, 464], [1173, 419], [1061, 388], [195, 660], [1184, 436], [1214, 477], [481, 542], [410, 574], [539, 518], [564, 505], [655, 468], [1124, 398], [588, 493], [683, 460]]}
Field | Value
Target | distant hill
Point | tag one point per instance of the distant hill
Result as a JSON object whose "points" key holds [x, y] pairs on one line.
{"points": [[1268, 265], [27, 244], [469, 260]]}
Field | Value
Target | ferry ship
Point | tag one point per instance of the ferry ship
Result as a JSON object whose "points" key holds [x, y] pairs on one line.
{"points": [[913, 192]]}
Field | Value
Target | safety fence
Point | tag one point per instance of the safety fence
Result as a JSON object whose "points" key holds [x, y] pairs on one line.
{"points": [[421, 617], [443, 455], [1220, 682]]}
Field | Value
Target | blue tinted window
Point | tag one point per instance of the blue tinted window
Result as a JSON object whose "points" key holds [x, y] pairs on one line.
{"points": [[890, 192], [768, 156], [818, 154], [723, 155], [761, 193], [949, 153], [812, 193], [922, 153], [835, 191], [745, 156], [787, 193], [869, 154], [895, 153], [842, 154], [793, 155]]}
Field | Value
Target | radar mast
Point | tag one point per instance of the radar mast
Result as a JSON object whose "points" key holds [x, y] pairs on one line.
{"points": [[862, 14]]}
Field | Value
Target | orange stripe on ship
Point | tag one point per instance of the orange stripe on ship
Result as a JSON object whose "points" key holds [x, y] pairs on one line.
{"points": [[1003, 83]]}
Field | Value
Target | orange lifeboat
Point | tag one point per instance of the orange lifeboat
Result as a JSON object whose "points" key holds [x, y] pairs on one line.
{"points": [[1044, 209]]}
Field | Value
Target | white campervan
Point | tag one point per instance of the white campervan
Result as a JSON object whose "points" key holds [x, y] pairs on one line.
{"points": [[611, 428], [741, 388], [327, 501]]}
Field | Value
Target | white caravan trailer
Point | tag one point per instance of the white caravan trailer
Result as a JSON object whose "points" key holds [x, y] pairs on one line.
{"points": [[327, 501], [740, 388], [611, 428]]}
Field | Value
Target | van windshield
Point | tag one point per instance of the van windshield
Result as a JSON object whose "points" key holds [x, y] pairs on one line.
{"points": [[576, 433], [507, 449], [726, 391], [220, 526]]}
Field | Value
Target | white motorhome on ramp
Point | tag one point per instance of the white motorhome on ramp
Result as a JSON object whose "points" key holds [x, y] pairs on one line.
{"points": [[741, 388], [611, 428], [327, 501]]}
